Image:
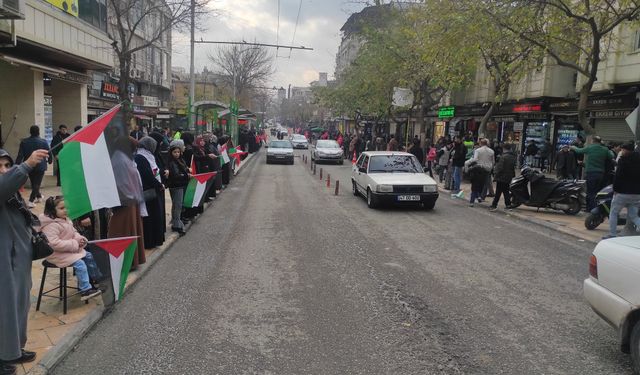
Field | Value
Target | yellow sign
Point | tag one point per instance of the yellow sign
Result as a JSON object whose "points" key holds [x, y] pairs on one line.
{"points": [[68, 6]]}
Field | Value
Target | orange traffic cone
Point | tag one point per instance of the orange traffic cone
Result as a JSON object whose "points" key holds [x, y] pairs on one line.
{"points": [[353, 161]]}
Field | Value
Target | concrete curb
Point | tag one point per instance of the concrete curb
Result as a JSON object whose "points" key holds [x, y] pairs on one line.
{"points": [[542, 223], [59, 351]]}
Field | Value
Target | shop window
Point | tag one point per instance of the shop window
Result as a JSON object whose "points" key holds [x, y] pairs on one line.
{"points": [[636, 41]]}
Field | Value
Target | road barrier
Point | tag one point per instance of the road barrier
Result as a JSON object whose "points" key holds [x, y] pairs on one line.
{"points": [[328, 180], [337, 187]]}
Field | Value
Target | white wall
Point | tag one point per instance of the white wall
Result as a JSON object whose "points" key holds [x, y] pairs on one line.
{"points": [[21, 94]]}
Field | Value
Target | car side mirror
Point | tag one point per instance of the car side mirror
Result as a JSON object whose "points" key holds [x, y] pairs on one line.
{"points": [[362, 170]]}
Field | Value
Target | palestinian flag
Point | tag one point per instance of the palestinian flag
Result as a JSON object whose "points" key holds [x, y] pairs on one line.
{"points": [[193, 165], [224, 156], [196, 189], [121, 251], [237, 153], [86, 174]]}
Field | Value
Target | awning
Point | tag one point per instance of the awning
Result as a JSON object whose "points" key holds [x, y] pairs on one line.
{"points": [[142, 117], [33, 65]]}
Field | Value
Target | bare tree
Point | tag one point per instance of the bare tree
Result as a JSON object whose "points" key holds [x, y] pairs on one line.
{"points": [[135, 25], [243, 67]]}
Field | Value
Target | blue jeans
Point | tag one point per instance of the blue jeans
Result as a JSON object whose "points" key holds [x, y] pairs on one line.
{"points": [[457, 178], [85, 267], [594, 182], [620, 201]]}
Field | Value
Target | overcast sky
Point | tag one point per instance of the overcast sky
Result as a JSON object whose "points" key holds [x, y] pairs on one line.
{"points": [[257, 20]]}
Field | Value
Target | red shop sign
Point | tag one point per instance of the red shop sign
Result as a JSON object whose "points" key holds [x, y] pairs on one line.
{"points": [[527, 108]]}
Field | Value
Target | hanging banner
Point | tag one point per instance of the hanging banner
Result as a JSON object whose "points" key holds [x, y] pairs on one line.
{"points": [[402, 97]]}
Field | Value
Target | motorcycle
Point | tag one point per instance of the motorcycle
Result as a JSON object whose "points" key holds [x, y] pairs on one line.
{"points": [[601, 211], [566, 196]]}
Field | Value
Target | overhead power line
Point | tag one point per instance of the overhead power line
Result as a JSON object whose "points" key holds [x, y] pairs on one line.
{"points": [[254, 44]]}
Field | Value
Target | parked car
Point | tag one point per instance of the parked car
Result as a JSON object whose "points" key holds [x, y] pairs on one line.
{"points": [[612, 290], [392, 177], [280, 151], [299, 141], [327, 150]]}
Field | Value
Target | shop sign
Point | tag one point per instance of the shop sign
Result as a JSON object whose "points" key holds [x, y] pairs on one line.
{"points": [[109, 90], [622, 113], [69, 7], [518, 126], [446, 112], [518, 108], [73, 77], [150, 101]]}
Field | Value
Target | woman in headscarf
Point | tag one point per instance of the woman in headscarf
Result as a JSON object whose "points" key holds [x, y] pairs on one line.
{"points": [[15, 261], [162, 158], [154, 223]]}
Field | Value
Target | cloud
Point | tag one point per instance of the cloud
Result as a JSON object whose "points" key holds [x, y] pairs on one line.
{"points": [[257, 20]]}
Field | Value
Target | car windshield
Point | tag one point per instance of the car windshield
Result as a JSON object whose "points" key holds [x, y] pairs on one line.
{"points": [[298, 137], [394, 163], [327, 144], [280, 144]]}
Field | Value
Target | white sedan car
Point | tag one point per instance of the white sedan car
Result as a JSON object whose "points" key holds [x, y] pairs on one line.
{"points": [[327, 150], [280, 151], [299, 141], [392, 177], [613, 293]]}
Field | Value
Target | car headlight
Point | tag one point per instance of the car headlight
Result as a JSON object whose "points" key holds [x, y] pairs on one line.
{"points": [[430, 188], [385, 188]]}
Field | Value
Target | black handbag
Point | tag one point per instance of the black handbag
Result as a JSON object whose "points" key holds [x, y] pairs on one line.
{"points": [[40, 245], [149, 194]]}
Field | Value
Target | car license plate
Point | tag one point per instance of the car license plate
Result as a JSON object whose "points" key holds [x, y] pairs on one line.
{"points": [[408, 198], [280, 156]]}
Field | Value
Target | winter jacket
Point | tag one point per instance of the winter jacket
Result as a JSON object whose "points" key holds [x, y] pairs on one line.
{"points": [[63, 239], [443, 156], [485, 157], [627, 180], [566, 163], [417, 152], [55, 143], [597, 156], [531, 150], [459, 154], [178, 174], [505, 169], [28, 146]]}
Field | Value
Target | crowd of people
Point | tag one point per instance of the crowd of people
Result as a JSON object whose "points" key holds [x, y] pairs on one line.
{"points": [[163, 160]]}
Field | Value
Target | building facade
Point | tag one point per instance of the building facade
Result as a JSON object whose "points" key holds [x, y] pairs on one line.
{"points": [[45, 64]]}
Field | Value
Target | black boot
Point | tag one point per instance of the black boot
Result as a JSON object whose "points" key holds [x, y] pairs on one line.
{"points": [[7, 368]]}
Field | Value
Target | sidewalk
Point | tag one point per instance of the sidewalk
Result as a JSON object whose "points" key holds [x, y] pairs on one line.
{"points": [[552, 219], [50, 333]]}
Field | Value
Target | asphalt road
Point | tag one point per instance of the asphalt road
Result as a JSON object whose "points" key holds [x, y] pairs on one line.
{"points": [[282, 277]]}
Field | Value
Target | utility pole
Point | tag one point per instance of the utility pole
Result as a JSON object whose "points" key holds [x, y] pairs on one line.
{"points": [[192, 77]]}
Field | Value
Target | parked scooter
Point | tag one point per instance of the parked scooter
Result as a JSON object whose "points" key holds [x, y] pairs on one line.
{"points": [[601, 211], [567, 196]]}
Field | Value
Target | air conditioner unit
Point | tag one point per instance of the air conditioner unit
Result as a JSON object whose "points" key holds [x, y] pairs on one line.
{"points": [[12, 9]]}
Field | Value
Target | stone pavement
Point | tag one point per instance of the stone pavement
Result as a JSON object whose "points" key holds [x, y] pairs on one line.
{"points": [[557, 220], [49, 328]]}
